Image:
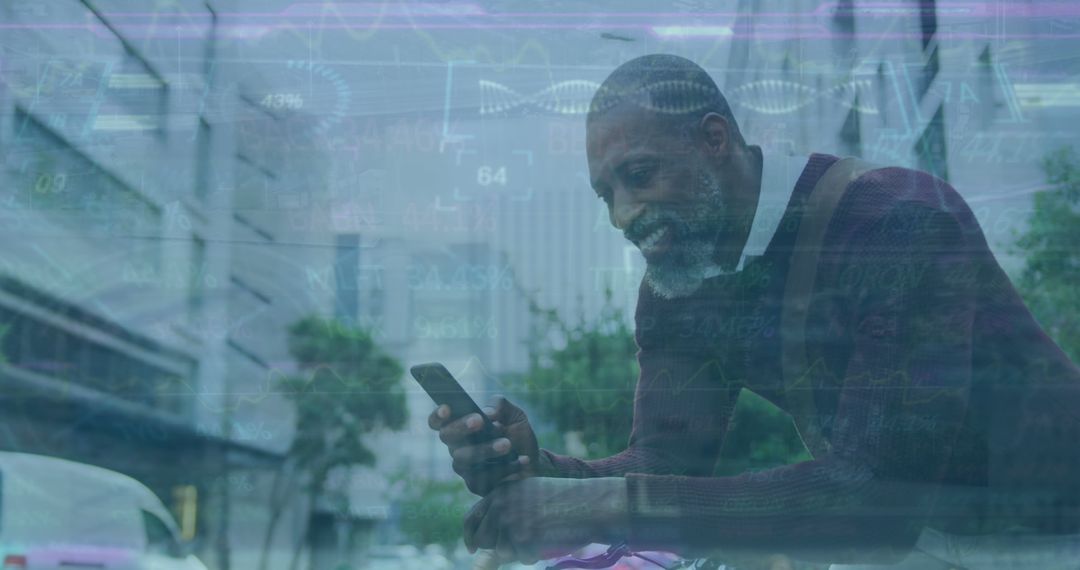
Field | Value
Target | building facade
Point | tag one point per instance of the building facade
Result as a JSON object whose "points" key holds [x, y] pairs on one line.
{"points": [[961, 91], [149, 273]]}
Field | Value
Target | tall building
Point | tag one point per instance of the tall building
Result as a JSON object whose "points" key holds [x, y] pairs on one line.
{"points": [[149, 268], [948, 91]]}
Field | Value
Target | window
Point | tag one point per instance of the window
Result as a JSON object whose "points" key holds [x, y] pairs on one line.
{"points": [[137, 92], [251, 226], [988, 101], [211, 46], [10, 336], [241, 285], [851, 133], [66, 186], [882, 95], [160, 539], [930, 71], [198, 276], [844, 16], [186, 507], [346, 277], [927, 21], [248, 355], [202, 160], [930, 148], [844, 24], [254, 185], [38, 334]]}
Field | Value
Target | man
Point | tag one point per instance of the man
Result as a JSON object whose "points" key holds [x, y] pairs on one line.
{"points": [[942, 420]]}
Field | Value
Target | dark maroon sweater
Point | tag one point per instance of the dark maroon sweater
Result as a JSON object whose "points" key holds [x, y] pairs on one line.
{"points": [[943, 402]]}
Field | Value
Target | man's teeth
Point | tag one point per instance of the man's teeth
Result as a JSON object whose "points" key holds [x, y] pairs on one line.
{"points": [[651, 240]]}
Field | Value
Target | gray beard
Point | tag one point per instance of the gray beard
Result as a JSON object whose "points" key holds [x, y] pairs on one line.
{"points": [[686, 266], [683, 272]]}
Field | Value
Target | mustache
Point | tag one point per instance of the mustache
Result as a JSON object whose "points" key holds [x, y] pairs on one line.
{"points": [[651, 219]]}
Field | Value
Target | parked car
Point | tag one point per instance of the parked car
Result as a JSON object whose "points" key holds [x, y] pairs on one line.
{"points": [[405, 557], [57, 514]]}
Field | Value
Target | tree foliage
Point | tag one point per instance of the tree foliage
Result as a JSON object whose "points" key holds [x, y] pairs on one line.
{"points": [[347, 387], [760, 436], [581, 377], [432, 511], [1051, 245]]}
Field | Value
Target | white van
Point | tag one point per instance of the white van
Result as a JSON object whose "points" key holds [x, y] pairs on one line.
{"points": [[57, 514]]}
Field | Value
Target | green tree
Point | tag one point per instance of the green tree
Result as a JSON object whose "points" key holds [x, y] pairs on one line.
{"points": [[581, 377], [432, 511], [1051, 244], [760, 436], [347, 387]]}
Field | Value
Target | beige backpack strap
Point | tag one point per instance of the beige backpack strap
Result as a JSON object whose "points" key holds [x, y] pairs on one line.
{"points": [[802, 271]]}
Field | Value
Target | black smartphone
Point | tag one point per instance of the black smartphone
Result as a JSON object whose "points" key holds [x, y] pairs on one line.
{"points": [[443, 388]]}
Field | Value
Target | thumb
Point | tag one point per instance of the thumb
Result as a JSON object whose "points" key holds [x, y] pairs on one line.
{"points": [[501, 410], [486, 560]]}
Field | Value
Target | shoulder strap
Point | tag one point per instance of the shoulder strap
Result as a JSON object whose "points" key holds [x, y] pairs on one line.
{"points": [[802, 271]]}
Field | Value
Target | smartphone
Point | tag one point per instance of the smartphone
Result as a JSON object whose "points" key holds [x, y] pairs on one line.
{"points": [[443, 388]]}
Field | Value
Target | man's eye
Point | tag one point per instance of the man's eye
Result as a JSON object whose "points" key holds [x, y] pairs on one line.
{"points": [[640, 175]]}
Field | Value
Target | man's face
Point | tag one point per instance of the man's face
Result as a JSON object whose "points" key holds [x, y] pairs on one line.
{"points": [[662, 192]]}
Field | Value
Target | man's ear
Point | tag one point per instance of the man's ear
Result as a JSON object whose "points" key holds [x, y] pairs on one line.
{"points": [[716, 135]]}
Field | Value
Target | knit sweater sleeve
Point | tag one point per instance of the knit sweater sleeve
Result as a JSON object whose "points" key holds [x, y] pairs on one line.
{"points": [[901, 404]]}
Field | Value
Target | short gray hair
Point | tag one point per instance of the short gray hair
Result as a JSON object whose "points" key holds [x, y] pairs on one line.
{"points": [[666, 84]]}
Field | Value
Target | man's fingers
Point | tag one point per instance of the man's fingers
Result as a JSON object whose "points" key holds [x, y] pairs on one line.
{"points": [[486, 534], [518, 473], [472, 462], [438, 417], [480, 479], [474, 454], [504, 546], [486, 560], [526, 560], [523, 541], [455, 432], [499, 408], [472, 522]]}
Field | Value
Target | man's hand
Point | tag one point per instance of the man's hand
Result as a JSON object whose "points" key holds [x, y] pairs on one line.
{"points": [[544, 517], [469, 458]]}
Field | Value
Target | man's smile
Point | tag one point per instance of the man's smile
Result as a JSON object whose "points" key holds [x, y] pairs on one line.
{"points": [[657, 242]]}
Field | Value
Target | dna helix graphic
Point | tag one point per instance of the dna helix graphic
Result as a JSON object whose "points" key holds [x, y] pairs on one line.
{"points": [[778, 97], [574, 97], [767, 96], [563, 98]]}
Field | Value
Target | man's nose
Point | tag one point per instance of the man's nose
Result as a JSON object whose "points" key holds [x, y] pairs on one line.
{"points": [[625, 210]]}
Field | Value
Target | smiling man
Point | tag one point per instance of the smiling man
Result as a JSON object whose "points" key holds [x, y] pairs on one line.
{"points": [[863, 301], [686, 211]]}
